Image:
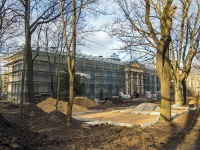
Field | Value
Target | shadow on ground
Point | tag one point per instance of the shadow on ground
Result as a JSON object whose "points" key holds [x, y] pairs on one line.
{"points": [[180, 130]]}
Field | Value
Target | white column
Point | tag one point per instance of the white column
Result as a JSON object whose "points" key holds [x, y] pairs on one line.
{"points": [[131, 83], [126, 82], [142, 84], [138, 82]]}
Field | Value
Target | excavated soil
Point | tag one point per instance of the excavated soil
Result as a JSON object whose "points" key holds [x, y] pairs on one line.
{"points": [[85, 102], [39, 129], [49, 105]]}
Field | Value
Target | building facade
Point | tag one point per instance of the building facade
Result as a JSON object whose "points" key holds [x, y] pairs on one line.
{"points": [[4, 86], [193, 83], [109, 76]]}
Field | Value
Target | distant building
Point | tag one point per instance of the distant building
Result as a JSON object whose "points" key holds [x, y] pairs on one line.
{"points": [[193, 82], [107, 76], [4, 84]]}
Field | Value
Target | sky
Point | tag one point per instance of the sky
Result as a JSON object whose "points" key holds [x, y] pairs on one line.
{"points": [[103, 44], [106, 44]]}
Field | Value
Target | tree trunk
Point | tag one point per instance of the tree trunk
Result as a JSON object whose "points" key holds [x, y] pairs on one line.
{"points": [[52, 86], [163, 71], [31, 94], [178, 92], [28, 50], [58, 84], [58, 87], [184, 92], [71, 99], [165, 112], [71, 65]]}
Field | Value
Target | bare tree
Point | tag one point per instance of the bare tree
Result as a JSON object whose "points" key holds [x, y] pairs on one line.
{"points": [[8, 22], [185, 45], [58, 71], [71, 52], [51, 39], [36, 13], [3, 11], [51, 71], [151, 23], [23, 73], [70, 23]]}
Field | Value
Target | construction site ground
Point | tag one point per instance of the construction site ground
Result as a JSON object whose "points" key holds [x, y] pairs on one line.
{"points": [[133, 116], [41, 127]]}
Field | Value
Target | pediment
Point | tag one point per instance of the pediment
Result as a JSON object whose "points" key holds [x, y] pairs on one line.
{"points": [[137, 64]]}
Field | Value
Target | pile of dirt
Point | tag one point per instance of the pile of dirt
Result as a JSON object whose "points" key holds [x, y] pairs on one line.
{"points": [[114, 100], [85, 102], [191, 102], [105, 105], [34, 117], [99, 107], [13, 136], [33, 111], [146, 107], [181, 133], [57, 116], [60, 118], [109, 104], [49, 105]]}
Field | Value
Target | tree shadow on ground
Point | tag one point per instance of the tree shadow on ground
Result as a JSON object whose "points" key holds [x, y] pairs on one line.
{"points": [[179, 133], [197, 143]]}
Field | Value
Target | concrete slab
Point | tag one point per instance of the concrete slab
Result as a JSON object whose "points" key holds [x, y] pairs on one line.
{"points": [[127, 117], [150, 123], [175, 106], [113, 123], [129, 125], [121, 119], [96, 123]]}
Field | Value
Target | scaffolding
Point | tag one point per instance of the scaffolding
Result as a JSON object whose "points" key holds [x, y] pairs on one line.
{"points": [[109, 76]]}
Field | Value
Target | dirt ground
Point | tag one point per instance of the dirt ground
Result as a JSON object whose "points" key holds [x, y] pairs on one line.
{"points": [[47, 130]]}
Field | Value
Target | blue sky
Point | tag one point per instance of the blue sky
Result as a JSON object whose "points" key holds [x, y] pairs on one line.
{"points": [[103, 44]]}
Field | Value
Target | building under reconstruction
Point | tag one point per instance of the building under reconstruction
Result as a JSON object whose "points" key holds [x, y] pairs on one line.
{"points": [[193, 81], [103, 77]]}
